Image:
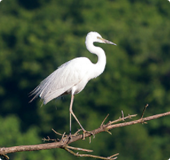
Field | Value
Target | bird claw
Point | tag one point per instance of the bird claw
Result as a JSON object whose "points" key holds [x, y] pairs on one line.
{"points": [[89, 132], [70, 136]]}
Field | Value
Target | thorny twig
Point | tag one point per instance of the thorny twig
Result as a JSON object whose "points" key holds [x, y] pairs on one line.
{"points": [[79, 149], [144, 112], [112, 157], [104, 120], [121, 119], [122, 115], [56, 132]]}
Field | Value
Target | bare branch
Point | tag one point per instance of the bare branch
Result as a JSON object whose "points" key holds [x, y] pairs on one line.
{"points": [[57, 132], [79, 149], [121, 119], [112, 157], [141, 120], [104, 120], [63, 143]]}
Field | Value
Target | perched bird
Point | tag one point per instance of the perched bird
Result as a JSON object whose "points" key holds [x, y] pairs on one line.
{"points": [[72, 76]]}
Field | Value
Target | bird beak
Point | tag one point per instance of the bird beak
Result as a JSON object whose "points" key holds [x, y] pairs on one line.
{"points": [[106, 41]]}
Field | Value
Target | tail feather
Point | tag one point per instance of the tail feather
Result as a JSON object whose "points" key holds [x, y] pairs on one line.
{"points": [[35, 92], [47, 95]]}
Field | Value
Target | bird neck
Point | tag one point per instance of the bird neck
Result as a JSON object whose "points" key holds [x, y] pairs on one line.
{"points": [[101, 63]]}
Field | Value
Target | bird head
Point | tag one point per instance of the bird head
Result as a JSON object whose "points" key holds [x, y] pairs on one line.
{"points": [[96, 37]]}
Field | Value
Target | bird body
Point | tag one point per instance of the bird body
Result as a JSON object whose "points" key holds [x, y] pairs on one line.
{"points": [[72, 76]]}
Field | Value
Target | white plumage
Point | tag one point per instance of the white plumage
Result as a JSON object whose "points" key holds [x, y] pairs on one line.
{"points": [[72, 76]]}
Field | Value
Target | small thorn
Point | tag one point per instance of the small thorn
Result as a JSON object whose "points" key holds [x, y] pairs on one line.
{"points": [[122, 115], [144, 110]]}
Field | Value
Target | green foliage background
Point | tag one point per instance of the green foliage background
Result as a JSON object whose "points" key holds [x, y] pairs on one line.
{"points": [[37, 36]]}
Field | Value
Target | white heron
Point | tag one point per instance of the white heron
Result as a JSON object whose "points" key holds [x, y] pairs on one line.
{"points": [[72, 76]]}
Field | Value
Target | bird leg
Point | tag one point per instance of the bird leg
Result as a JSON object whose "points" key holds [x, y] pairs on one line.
{"points": [[71, 113]]}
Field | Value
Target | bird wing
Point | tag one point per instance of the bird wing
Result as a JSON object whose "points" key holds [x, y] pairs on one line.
{"points": [[62, 80]]}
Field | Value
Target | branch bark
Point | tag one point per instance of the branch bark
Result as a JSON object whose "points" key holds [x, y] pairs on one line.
{"points": [[66, 140]]}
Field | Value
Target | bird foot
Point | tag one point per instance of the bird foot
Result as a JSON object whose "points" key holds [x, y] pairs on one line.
{"points": [[70, 136], [83, 135], [87, 132], [75, 134]]}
